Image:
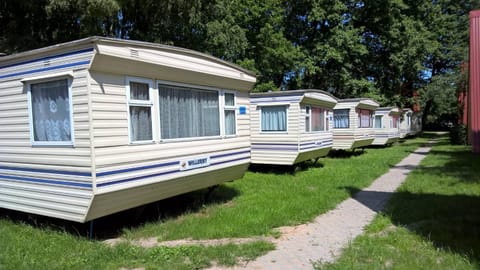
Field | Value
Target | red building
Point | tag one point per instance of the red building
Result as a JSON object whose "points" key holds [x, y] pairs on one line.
{"points": [[474, 85]]}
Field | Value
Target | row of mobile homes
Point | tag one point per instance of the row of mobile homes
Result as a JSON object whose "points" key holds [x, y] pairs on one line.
{"points": [[410, 123], [288, 127], [406, 123], [387, 122], [99, 125], [353, 123]]}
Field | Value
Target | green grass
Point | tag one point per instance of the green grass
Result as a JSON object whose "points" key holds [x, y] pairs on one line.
{"points": [[26, 247], [252, 206], [432, 222], [264, 201]]}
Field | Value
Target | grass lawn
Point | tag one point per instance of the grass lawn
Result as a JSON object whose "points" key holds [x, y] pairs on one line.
{"points": [[251, 206], [433, 222]]}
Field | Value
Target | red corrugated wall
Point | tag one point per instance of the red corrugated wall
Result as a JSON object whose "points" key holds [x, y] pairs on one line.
{"points": [[474, 76]]}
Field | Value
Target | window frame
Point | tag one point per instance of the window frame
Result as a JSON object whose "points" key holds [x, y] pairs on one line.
{"points": [[199, 87], [309, 116], [37, 80], [375, 121], [286, 106], [225, 107], [348, 118], [140, 103], [359, 115]]}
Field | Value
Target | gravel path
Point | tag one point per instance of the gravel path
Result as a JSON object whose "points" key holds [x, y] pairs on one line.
{"points": [[323, 239]]}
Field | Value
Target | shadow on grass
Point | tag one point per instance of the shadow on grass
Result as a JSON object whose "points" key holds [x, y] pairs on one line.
{"points": [[449, 219], [346, 153], [113, 225], [285, 169], [450, 222]]}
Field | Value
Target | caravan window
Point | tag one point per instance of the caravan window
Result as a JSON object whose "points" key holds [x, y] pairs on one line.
{"points": [[341, 118], [51, 112], [229, 114], [395, 121], [273, 118], [315, 119], [140, 110], [187, 112], [378, 121], [364, 118]]}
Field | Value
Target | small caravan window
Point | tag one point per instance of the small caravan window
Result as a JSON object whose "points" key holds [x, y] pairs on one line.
{"points": [[229, 114], [315, 119], [341, 118], [140, 110], [187, 112], [378, 121], [394, 122], [274, 118], [51, 112], [364, 119]]}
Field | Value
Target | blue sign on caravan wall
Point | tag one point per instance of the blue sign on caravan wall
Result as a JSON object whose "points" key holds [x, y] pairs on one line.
{"points": [[242, 110]]}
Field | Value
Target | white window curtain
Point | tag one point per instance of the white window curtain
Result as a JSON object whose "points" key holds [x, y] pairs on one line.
{"points": [[318, 119], [230, 125], [274, 118], [140, 123], [187, 112], [140, 112], [378, 121], [364, 118], [341, 118], [395, 120], [51, 111], [230, 122]]}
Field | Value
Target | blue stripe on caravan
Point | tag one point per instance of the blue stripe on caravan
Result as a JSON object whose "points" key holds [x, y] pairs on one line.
{"points": [[228, 161], [139, 168], [45, 181], [45, 171], [317, 146], [280, 144], [136, 178], [162, 164], [273, 101], [276, 149], [230, 154], [45, 69], [49, 57], [159, 174]]}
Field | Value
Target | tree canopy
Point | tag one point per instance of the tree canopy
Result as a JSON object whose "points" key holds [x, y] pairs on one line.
{"points": [[391, 51]]}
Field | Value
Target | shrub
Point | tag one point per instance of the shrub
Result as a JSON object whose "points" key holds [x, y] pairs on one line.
{"points": [[458, 135]]}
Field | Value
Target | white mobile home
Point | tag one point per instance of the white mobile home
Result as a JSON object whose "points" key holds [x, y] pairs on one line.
{"points": [[387, 125], [288, 127], [353, 123], [406, 123], [96, 126]]}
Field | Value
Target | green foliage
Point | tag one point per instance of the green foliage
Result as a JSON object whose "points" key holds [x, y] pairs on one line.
{"points": [[458, 135], [387, 50]]}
